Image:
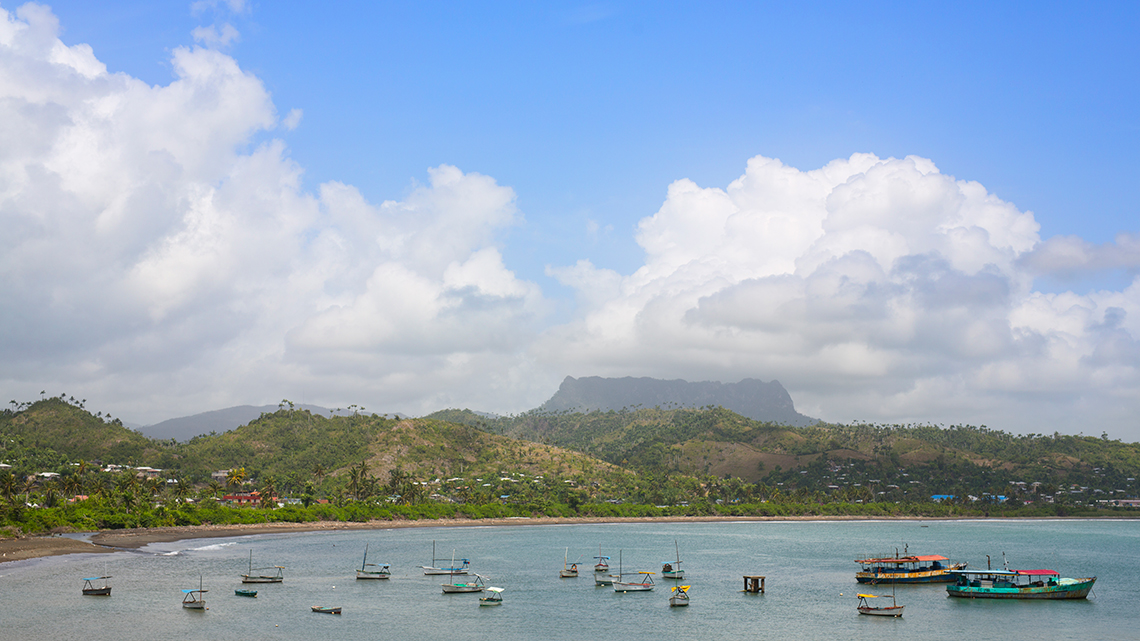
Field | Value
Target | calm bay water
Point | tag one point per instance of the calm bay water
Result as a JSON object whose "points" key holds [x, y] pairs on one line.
{"points": [[809, 568]]}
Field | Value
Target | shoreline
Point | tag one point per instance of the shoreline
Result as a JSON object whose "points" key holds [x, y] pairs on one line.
{"points": [[105, 541]]}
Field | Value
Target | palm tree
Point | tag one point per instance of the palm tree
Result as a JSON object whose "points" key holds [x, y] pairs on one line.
{"points": [[235, 477], [319, 472], [8, 486], [214, 487]]}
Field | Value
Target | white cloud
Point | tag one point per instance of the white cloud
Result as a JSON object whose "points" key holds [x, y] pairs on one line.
{"points": [[155, 262], [215, 36], [877, 289]]}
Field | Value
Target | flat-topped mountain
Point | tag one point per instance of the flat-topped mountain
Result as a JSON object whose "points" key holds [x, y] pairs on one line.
{"points": [[751, 398]]}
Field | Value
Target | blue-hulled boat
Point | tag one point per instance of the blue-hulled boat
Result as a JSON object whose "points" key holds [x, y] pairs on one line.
{"points": [[1018, 584]]}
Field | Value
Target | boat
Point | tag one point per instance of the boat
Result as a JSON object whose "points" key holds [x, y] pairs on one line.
{"points": [[645, 583], [240, 592], [90, 589], [378, 571], [680, 596], [324, 609], [569, 570], [864, 607], [673, 570], [262, 578], [601, 567], [604, 579], [928, 568], [454, 569], [1018, 584], [193, 599], [473, 584], [494, 598]]}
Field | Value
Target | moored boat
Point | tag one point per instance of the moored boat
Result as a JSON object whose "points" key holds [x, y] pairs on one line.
{"points": [[457, 586], [893, 610], [432, 570], [372, 570], [928, 568], [569, 570], [263, 578], [602, 566], [643, 583], [680, 596], [1018, 584], [90, 589], [325, 609], [249, 593], [194, 599], [494, 598], [673, 570]]}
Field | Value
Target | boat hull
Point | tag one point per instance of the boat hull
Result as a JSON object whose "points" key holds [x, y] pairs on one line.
{"points": [[679, 574], [325, 610], [632, 587], [249, 593], [603, 580], [97, 592], [568, 574], [890, 611], [261, 579], [1065, 589], [487, 601], [430, 571], [372, 575], [194, 605], [928, 576], [459, 588]]}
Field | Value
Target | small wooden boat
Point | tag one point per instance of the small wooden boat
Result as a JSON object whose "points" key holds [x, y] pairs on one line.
{"points": [[601, 567], [240, 592], [864, 607], [193, 599], [604, 579], [673, 570], [569, 570], [454, 569], [680, 596], [643, 583], [90, 589], [1018, 584], [372, 570], [494, 598], [262, 578], [324, 609], [457, 586]]}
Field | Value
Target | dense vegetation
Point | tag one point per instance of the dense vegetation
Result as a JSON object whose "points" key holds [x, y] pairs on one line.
{"points": [[643, 462]]}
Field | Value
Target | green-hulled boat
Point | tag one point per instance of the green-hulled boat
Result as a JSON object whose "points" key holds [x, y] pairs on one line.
{"points": [[252, 593], [1018, 584]]}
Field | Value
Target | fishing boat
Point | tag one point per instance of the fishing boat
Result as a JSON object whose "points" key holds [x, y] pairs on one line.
{"points": [[90, 589], [262, 578], [1018, 584], [193, 599], [604, 579], [569, 570], [249, 593], [494, 598], [454, 569], [643, 583], [473, 584], [680, 596], [928, 568], [372, 570], [865, 607], [324, 609], [602, 566], [673, 570]]}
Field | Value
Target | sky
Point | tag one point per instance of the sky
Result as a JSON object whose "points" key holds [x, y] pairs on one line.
{"points": [[905, 212]]}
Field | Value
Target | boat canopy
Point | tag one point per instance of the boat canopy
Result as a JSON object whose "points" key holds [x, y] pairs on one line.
{"points": [[193, 591], [905, 559], [494, 589], [985, 572], [868, 596], [644, 572], [1038, 572], [97, 578]]}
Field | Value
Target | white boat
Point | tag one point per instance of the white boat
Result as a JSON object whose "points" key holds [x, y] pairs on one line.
{"points": [[473, 583], [893, 610], [680, 596], [193, 599], [602, 566], [673, 570], [372, 570], [262, 578], [432, 570], [90, 589], [569, 570], [494, 598], [643, 583]]}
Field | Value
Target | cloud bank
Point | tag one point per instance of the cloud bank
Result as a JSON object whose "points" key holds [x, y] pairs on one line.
{"points": [[161, 257]]}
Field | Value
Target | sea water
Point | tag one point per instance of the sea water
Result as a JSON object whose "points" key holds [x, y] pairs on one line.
{"points": [[809, 567]]}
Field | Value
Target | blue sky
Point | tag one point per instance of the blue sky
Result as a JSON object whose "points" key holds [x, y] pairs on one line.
{"points": [[573, 123]]}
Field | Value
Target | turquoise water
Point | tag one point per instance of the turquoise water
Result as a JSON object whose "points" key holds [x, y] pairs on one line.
{"points": [[809, 568]]}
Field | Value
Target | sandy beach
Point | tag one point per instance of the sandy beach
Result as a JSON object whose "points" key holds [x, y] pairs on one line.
{"points": [[110, 540]]}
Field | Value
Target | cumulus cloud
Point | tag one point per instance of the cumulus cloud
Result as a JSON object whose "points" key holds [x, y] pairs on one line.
{"points": [[153, 260], [216, 36], [873, 288]]}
